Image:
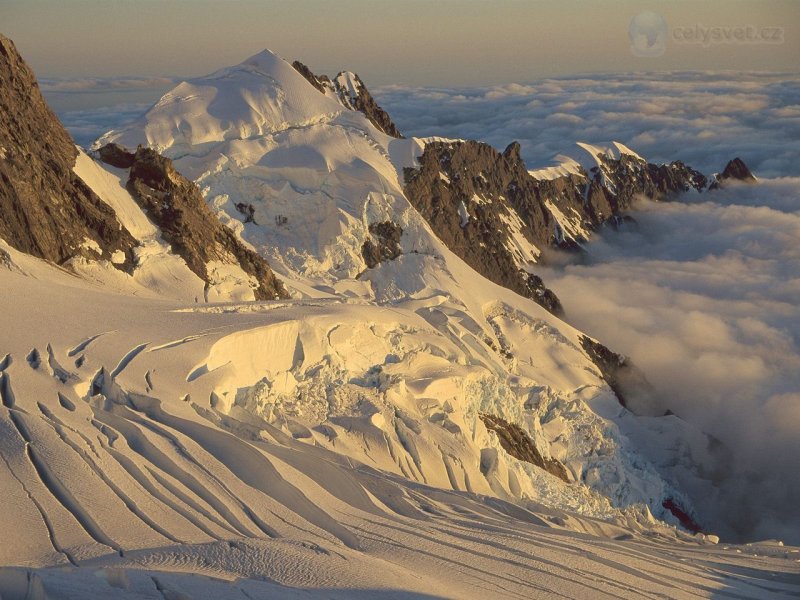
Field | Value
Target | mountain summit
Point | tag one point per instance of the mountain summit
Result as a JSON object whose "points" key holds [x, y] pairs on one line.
{"points": [[58, 205]]}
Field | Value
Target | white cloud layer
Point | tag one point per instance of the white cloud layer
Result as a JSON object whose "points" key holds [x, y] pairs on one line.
{"points": [[704, 119], [703, 297], [88, 125]]}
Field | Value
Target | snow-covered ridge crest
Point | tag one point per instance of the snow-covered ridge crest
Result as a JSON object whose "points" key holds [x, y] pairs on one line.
{"points": [[259, 96]]}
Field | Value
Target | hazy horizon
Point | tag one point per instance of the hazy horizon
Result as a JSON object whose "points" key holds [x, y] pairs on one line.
{"points": [[449, 42]]}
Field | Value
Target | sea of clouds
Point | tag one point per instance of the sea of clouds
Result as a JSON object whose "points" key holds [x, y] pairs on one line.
{"points": [[704, 294], [704, 119], [90, 106]]}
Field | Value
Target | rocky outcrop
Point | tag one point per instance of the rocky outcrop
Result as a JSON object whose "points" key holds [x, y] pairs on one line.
{"points": [[734, 170], [352, 94], [474, 198], [322, 83], [116, 156], [177, 207], [497, 216], [627, 381], [517, 443], [383, 243], [45, 209]]}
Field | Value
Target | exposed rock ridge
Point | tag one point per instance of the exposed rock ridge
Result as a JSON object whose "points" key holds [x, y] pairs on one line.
{"points": [[626, 380], [352, 94], [46, 210], [383, 243], [177, 207], [736, 170], [516, 442], [322, 83], [471, 195], [493, 213]]}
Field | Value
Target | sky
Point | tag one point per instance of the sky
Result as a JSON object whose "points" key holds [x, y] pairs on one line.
{"points": [[411, 42]]}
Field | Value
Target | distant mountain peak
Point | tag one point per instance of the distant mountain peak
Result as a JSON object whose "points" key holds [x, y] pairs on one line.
{"points": [[736, 169]]}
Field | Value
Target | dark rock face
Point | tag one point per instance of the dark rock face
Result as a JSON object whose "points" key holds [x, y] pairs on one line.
{"points": [[516, 442], [357, 98], [116, 156], [321, 83], [360, 99], [248, 211], [384, 243], [629, 384], [617, 182], [176, 206], [468, 193], [735, 169], [494, 190], [45, 209]]}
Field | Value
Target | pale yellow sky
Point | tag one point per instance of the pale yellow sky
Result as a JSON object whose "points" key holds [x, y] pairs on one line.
{"points": [[417, 42]]}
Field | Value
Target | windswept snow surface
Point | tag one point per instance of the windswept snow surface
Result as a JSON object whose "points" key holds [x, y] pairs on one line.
{"points": [[156, 450], [328, 445]]}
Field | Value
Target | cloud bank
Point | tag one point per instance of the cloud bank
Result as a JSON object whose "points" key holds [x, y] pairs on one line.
{"points": [[90, 106], [704, 297], [704, 119]]}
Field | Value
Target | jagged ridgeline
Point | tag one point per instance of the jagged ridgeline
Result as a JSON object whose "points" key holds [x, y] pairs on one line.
{"points": [[499, 216], [353, 94]]}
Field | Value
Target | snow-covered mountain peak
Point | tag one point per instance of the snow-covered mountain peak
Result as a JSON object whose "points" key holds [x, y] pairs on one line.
{"points": [[266, 59], [260, 96], [592, 155], [350, 83]]}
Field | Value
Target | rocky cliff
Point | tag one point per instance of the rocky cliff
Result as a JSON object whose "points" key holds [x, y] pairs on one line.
{"points": [[45, 209], [735, 170], [352, 94], [177, 207], [500, 217]]}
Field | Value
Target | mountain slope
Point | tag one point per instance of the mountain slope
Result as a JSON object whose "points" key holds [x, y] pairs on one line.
{"points": [[325, 202], [400, 426], [124, 468]]}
